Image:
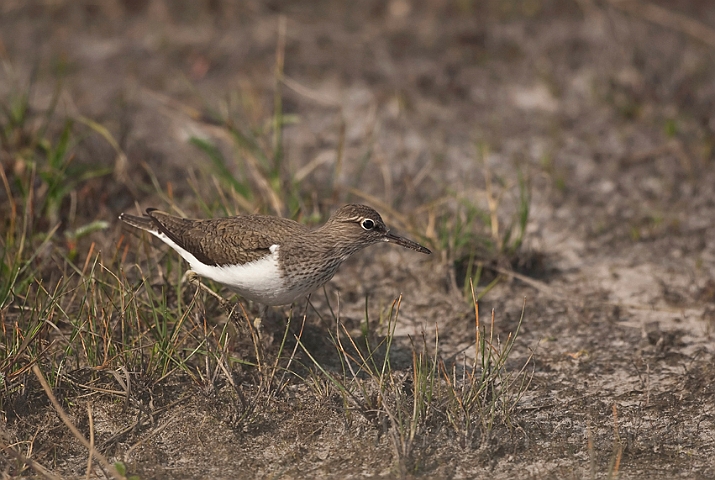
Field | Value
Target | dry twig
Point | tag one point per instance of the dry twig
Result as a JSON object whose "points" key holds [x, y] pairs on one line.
{"points": [[667, 18], [78, 435]]}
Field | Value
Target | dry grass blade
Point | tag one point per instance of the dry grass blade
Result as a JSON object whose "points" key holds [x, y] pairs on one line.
{"points": [[669, 19], [314, 95], [617, 446], [6, 446], [91, 440], [121, 162], [78, 435]]}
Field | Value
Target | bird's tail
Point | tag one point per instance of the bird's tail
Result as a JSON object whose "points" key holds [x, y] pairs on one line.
{"points": [[145, 223]]}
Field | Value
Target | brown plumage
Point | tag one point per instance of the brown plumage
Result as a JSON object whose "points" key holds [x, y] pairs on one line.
{"points": [[284, 259], [220, 241]]}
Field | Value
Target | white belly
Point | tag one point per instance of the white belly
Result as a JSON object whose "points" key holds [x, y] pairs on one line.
{"points": [[259, 281]]}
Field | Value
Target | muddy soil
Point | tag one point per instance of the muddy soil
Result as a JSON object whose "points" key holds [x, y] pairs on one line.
{"points": [[608, 108]]}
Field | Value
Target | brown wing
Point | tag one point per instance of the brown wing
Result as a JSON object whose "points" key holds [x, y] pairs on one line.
{"points": [[226, 241]]}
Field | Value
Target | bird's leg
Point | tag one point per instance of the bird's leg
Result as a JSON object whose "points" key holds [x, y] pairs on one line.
{"points": [[258, 322], [193, 278], [234, 310]]}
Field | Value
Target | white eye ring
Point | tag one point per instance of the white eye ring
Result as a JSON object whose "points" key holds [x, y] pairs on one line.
{"points": [[367, 224]]}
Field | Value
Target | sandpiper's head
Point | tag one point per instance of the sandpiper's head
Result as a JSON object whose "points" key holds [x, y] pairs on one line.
{"points": [[363, 224]]}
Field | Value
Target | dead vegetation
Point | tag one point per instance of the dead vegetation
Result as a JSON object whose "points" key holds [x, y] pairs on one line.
{"points": [[556, 155]]}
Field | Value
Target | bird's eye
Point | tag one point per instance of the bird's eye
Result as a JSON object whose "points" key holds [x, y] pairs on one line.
{"points": [[368, 224]]}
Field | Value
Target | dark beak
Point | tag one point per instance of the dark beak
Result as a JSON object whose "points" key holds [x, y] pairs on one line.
{"points": [[392, 238]]}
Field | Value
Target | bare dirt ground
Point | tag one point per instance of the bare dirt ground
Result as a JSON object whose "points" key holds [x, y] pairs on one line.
{"points": [[606, 107]]}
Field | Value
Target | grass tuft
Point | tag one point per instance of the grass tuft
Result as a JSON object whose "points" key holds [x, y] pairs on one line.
{"points": [[480, 229], [471, 398]]}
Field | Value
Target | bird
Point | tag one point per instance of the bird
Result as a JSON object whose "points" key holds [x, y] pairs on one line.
{"points": [[266, 259]]}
